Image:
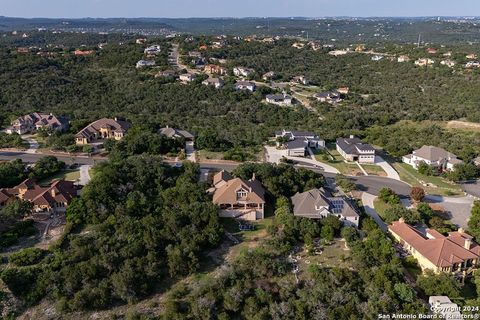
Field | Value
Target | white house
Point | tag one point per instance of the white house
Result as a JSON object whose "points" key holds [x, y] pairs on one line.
{"points": [[243, 72], [245, 85], [279, 99], [433, 156], [153, 50], [353, 149], [297, 142], [145, 63], [188, 77], [215, 82], [424, 62]]}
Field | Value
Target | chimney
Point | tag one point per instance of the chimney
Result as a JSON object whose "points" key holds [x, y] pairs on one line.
{"points": [[468, 243], [401, 220], [53, 192], [116, 119], [352, 136], [253, 177]]}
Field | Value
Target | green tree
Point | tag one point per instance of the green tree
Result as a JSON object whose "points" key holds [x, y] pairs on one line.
{"points": [[474, 221]]}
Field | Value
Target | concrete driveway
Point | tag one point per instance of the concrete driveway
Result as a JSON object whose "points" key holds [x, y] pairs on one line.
{"points": [[472, 188], [459, 209], [32, 144], [84, 175], [391, 172]]}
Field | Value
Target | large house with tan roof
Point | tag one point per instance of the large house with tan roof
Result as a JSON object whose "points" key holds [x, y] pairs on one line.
{"points": [[238, 198], [456, 253], [318, 204], [53, 198], [36, 121], [432, 156], [102, 129]]}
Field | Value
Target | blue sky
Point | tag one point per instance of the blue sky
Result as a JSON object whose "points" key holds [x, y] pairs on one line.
{"points": [[236, 8]]}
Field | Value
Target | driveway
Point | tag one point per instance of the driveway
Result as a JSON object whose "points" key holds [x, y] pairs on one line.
{"points": [[190, 151], [472, 188], [84, 175], [32, 144], [368, 200], [391, 172], [459, 209]]}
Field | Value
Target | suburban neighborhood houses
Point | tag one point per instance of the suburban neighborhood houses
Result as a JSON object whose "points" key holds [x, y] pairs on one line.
{"points": [[54, 198], [456, 253], [318, 204], [102, 129], [432, 156], [295, 143], [237, 198], [353, 149], [36, 121]]}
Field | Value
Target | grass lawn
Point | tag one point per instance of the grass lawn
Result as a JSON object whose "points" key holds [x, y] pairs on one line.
{"points": [[381, 207], [436, 185], [209, 155], [349, 169], [248, 239], [333, 255], [68, 175], [374, 170]]}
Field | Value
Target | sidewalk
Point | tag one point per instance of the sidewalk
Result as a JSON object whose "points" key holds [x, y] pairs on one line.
{"points": [[367, 200]]}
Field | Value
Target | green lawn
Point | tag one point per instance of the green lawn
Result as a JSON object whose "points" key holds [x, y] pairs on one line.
{"points": [[334, 159], [68, 175], [381, 207], [374, 170], [437, 185]]}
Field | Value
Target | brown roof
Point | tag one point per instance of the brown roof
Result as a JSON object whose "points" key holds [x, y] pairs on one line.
{"points": [[441, 251], [111, 124], [432, 153], [60, 191], [227, 193]]}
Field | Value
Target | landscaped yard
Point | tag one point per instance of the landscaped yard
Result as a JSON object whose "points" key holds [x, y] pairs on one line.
{"points": [[248, 239], [349, 169], [374, 170], [432, 185], [68, 175]]}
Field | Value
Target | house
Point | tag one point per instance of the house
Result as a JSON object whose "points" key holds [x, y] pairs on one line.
{"points": [[446, 309], [456, 253], [299, 80], [166, 74], [343, 90], [353, 149], [328, 96], [102, 129], [337, 53], [198, 63], [152, 50], [245, 85], [269, 76], [188, 77], [52, 198], [318, 204], [315, 45], [433, 156], [403, 58], [214, 69], [215, 82], [377, 58], [431, 51], [140, 40], [448, 63], [36, 121], [476, 161], [279, 99], [176, 133], [243, 72], [424, 62], [194, 54], [298, 45], [238, 198], [360, 48], [295, 143], [447, 54], [145, 63], [83, 52], [472, 64], [471, 56]]}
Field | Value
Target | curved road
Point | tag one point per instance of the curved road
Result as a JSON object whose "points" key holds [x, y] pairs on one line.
{"points": [[369, 184]]}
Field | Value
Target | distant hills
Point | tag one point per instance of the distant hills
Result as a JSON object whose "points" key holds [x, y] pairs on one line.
{"points": [[348, 29]]}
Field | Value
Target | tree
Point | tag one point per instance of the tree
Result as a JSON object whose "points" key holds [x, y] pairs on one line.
{"points": [[474, 222], [425, 211], [396, 212], [425, 169], [14, 210], [387, 195], [442, 284], [417, 194], [327, 233]]}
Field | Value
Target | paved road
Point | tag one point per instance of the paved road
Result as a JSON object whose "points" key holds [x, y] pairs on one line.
{"points": [[472, 188], [370, 184]]}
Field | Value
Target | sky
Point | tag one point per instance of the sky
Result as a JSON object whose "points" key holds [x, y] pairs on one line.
{"points": [[236, 8]]}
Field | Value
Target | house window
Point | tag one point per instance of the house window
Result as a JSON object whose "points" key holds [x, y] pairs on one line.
{"points": [[241, 194]]}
